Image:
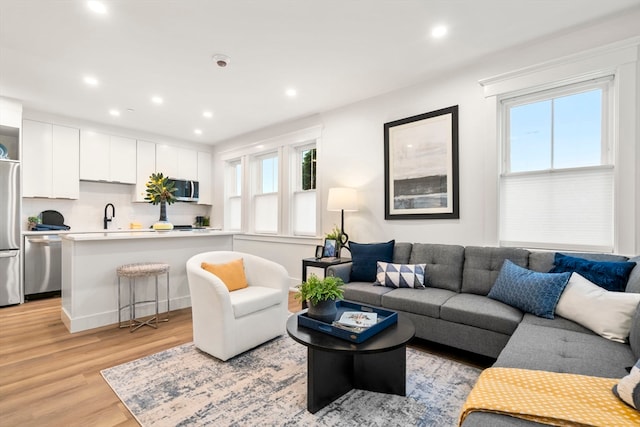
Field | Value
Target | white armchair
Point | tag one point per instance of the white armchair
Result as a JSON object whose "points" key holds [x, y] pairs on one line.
{"points": [[225, 323]]}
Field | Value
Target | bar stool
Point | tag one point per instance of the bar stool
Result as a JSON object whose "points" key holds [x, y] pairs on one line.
{"points": [[133, 271]]}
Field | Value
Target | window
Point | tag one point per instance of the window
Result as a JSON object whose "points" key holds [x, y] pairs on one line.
{"points": [[265, 206], [234, 195], [556, 189], [304, 194]]}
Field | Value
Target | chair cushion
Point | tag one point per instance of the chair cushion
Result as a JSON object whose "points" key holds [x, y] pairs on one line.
{"points": [[604, 312], [530, 291], [364, 258], [254, 298], [612, 276], [231, 273]]}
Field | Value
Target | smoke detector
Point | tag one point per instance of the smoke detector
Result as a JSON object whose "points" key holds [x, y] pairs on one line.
{"points": [[221, 60]]}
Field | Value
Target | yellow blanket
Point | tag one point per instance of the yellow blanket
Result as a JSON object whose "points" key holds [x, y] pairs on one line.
{"points": [[550, 398]]}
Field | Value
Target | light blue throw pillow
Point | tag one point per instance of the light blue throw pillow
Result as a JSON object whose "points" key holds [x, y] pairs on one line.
{"points": [[530, 291]]}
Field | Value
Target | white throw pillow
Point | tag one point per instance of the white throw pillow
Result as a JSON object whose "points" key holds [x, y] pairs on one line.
{"points": [[605, 312]]}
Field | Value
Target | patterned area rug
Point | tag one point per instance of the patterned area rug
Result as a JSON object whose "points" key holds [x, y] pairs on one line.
{"points": [[267, 386]]}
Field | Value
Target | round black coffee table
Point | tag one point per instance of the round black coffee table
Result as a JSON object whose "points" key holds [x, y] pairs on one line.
{"points": [[335, 366]]}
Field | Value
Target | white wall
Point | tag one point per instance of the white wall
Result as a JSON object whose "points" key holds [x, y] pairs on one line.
{"points": [[351, 147]]}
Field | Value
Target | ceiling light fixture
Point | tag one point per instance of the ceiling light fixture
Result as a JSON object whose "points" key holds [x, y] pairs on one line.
{"points": [[221, 60], [197, 131], [291, 93], [114, 113], [157, 100], [97, 6], [439, 31], [90, 80], [207, 114]]}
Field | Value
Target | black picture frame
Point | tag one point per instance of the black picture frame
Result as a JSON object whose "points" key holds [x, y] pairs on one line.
{"points": [[421, 166], [330, 248], [319, 251]]}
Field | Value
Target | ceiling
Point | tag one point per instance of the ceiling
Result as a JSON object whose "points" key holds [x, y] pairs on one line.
{"points": [[332, 52]]}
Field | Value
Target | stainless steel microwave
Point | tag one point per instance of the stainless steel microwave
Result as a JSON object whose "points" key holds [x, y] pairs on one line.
{"points": [[186, 190]]}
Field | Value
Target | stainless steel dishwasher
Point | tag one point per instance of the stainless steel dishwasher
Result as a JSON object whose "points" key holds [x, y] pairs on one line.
{"points": [[42, 266]]}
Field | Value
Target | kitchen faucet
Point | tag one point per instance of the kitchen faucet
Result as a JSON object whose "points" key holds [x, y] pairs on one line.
{"points": [[113, 214]]}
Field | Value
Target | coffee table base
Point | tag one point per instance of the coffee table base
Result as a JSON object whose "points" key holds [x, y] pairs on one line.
{"points": [[332, 374]]}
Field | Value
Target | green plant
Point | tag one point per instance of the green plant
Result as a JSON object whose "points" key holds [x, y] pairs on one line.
{"points": [[159, 189], [315, 290], [334, 234]]}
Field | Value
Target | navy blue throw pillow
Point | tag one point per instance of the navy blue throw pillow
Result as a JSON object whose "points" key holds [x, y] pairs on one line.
{"points": [[530, 291], [610, 275], [364, 257]]}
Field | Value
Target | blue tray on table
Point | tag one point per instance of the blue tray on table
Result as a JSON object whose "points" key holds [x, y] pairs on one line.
{"points": [[386, 318]]}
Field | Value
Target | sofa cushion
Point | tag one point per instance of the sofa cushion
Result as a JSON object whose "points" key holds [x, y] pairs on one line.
{"points": [[530, 291], [606, 313], [444, 264], [365, 293], [425, 302], [482, 265], [628, 388], [560, 350], [612, 276], [543, 261], [364, 257], [633, 284], [402, 252], [481, 312], [400, 275], [634, 334], [557, 322]]}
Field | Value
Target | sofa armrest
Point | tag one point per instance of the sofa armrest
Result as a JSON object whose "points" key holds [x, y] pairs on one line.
{"points": [[342, 271]]}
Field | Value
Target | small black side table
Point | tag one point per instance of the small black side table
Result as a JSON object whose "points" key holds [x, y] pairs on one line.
{"points": [[323, 263]]}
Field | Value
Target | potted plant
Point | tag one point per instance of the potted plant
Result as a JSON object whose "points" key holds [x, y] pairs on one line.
{"points": [[160, 190], [321, 296]]}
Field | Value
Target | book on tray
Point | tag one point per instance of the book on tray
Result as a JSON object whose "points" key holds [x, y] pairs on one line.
{"points": [[357, 319]]}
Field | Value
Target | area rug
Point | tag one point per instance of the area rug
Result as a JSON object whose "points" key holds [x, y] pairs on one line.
{"points": [[267, 386]]}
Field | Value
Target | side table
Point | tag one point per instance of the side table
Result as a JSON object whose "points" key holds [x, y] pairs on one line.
{"points": [[323, 263]]}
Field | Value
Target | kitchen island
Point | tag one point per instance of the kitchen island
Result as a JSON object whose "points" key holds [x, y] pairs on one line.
{"points": [[89, 262]]}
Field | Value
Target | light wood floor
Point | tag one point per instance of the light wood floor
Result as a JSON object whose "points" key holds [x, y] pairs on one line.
{"points": [[49, 377]]}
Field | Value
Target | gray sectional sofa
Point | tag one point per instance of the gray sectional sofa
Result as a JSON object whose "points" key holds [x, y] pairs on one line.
{"points": [[454, 310]]}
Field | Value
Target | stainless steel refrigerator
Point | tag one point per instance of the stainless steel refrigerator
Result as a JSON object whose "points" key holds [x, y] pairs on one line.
{"points": [[10, 252]]}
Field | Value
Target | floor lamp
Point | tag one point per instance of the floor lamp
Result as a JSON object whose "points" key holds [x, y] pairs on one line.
{"points": [[342, 199]]}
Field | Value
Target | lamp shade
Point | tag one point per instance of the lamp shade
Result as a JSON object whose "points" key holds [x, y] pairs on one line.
{"points": [[342, 199]]}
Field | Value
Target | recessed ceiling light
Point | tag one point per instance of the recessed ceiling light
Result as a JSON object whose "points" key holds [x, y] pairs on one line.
{"points": [[207, 114], [291, 93], [114, 112], [90, 80], [157, 99], [439, 31], [221, 60], [197, 131], [97, 6]]}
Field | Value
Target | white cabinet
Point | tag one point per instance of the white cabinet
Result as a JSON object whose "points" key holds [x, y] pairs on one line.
{"points": [[204, 178], [107, 158], [145, 166], [50, 160], [176, 162]]}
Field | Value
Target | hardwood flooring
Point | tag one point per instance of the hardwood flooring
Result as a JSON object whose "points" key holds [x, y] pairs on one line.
{"points": [[49, 377]]}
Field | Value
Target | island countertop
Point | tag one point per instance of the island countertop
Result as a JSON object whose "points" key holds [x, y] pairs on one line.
{"points": [[144, 234]]}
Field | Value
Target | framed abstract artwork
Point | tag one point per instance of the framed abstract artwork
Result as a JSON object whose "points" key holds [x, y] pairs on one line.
{"points": [[421, 166]]}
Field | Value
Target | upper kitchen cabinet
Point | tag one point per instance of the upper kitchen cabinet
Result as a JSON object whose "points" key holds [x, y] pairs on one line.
{"points": [[107, 158], [50, 160], [204, 178], [176, 162], [145, 166]]}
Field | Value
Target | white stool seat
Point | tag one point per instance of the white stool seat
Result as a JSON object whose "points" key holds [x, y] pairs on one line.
{"points": [[133, 271]]}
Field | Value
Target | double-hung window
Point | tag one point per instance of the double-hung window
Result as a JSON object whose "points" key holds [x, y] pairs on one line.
{"points": [[304, 191], [265, 194], [234, 194], [557, 180]]}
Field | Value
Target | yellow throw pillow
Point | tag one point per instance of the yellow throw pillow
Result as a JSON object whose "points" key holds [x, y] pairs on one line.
{"points": [[231, 274]]}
